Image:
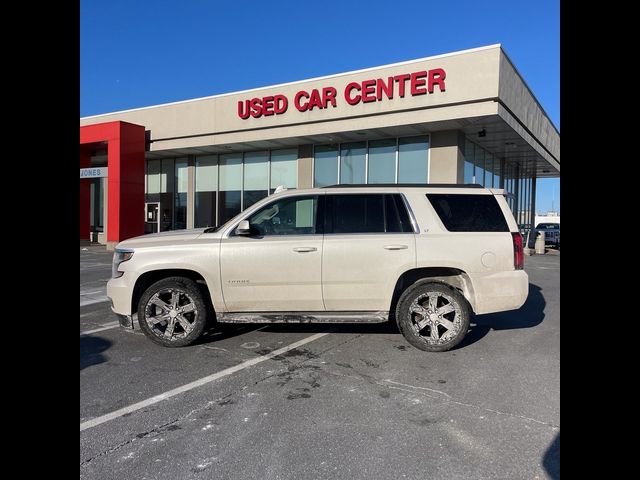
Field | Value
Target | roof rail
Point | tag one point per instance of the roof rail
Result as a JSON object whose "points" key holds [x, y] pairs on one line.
{"points": [[407, 185]]}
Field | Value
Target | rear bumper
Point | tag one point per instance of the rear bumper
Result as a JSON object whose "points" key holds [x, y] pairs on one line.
{"points": [[501, 291]]}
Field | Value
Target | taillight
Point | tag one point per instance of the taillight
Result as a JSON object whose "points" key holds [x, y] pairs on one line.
{"points": [[518, 253]]}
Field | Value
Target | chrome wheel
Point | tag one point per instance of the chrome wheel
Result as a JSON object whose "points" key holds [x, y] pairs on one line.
{"points": [[171, 314], [436, 317]]}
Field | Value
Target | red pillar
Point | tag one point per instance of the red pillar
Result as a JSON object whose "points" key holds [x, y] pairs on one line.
{"points": [[125, 157], [126, 183], [85, 192]]}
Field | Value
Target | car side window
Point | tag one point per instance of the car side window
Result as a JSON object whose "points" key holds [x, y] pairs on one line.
{"points": [[468, 213], [289, 216], [366, 213], [396, 215]]}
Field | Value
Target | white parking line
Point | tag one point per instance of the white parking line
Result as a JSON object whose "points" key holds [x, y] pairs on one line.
{"points": [[198, 383], [106, 326], [90, 301]]}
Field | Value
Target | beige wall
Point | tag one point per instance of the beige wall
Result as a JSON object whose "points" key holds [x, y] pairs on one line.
{"points": [[470, 77], [480, 83], [305, 166], [446, 157]]}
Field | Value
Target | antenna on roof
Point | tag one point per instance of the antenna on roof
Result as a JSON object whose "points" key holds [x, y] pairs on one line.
{"points": [[280, 188]]}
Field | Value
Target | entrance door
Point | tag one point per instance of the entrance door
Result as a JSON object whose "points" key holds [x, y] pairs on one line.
{"points": [[97, 204], [277, 267], [151, 218]]}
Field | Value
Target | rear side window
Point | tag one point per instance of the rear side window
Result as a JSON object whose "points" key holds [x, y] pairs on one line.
{"points": [[366, 213], [397, 216], [469, 213]]}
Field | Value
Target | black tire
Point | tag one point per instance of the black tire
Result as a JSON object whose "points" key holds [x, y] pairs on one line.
{"points": [[155, 320], [451, 327]]}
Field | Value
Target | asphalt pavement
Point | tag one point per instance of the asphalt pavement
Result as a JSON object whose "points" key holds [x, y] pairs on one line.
{"points": [[348, 402]]}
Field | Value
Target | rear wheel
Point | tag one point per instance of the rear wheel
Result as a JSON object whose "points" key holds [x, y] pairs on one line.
{"points": [[172, 312], [432, 316]]}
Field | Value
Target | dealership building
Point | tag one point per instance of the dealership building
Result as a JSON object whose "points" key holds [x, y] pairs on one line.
{"points": [[462, 117]]}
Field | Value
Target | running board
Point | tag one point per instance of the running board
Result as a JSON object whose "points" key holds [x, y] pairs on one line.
{"points": [[303, 317]]}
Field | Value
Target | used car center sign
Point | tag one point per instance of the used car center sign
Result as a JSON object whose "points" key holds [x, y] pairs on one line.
{"points": [[374, 90]]}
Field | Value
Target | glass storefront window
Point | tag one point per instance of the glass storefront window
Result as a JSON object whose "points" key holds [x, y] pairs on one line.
{"points": [[167, 175], [180, 205], [382, 161], [206, 188], [497, 163], [284, 169], [478, 160], [325, 165], [488, 170], [413, 159], [352, 162], [153, 176], [468, 162], [230, 201], [167, 193], [256, 177]]}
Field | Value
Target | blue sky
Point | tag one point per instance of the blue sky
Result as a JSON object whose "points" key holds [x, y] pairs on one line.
{"points": [[139, 53]]}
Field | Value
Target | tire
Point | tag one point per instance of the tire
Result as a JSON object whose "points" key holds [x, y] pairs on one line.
{"points": [[416, 327], [157, 312]]}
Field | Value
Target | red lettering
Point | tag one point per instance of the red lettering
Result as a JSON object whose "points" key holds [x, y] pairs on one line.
{"points": [[387, 88], [368, 90], [401, 79], [267, 106], [281, 104], [256, 107], [315, 101], [352, 100], [328, 96], [418, 79], [296, 101], [436, 77], [243, 113]]}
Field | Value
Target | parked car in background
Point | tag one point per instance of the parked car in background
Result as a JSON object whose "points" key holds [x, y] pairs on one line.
{"points": [[551, 233]]}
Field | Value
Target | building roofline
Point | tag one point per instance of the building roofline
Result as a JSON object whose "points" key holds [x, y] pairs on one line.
{"points": [[406, 62], [529, 89]]}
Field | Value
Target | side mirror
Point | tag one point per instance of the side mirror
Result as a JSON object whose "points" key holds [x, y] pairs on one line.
{"points": [[243, 228]]}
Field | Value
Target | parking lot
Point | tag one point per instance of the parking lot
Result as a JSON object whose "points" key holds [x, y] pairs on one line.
{"points": [[321, 401]]}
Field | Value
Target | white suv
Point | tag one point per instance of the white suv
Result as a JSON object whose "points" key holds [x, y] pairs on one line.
{"points": [[425, 255]]}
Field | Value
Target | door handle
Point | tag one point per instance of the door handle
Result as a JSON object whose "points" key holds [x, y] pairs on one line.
{"points": [[395, 247], [304, 249]]}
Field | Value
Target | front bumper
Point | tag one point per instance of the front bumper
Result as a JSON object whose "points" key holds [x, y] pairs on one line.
{"points": [[119, 291], [126, 321]]}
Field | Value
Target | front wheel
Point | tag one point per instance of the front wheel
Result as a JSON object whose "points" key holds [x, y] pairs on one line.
{"points": [[172, 312], [433, 317]]}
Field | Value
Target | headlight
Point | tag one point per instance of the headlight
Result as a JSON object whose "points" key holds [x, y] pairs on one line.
{"points": [[119, 256]]}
